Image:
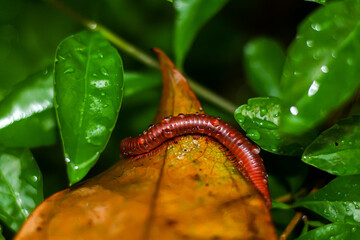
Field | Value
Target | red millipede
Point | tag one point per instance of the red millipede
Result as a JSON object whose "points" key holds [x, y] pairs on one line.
{"points": [[246, 155]]}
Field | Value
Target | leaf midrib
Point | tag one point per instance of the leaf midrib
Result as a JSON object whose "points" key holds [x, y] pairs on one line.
{"points": [[19, 205], [85, 98]]}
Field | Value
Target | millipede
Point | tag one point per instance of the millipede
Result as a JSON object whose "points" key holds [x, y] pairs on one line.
{"points": [[244, 154]]}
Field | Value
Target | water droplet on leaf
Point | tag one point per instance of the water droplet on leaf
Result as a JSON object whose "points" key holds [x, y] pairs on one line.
{"points": [[324, 69], [263, 111], [69, 70], [310, 43], [253, 134], [104, 71]]}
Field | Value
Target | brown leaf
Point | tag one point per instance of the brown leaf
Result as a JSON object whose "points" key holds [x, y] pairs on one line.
{"points": [[185, 189], [177, 96]]}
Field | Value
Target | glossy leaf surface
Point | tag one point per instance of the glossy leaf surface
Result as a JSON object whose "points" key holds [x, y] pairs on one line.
{"points": [[88, 95], [334, 231], [320, 72], [20, 186], [260, 118], [337, 149], [264, 60], [322, 1], [191, 16], [339, 201], [27, 117]]}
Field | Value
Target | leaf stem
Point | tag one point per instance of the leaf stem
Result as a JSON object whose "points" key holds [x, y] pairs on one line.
{"points": [[290, 227], [136, 53]]}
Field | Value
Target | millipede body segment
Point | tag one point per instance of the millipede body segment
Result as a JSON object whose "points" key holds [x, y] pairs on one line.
{"points": [[246, 155]]}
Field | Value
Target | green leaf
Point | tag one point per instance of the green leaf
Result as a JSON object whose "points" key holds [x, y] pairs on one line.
{"points": [[136, 82], [1, 236], [88, 96], [260, 119], [337, 149], [27, 117], [191, 16], [322, 1], [321, 71], [339, 201], [335, 231], [264, 60], [21, 186]]}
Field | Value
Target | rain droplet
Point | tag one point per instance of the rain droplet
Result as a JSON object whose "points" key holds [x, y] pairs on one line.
{"points": [[324, 69], [253, 134], [94, 74], [353, 229], [310, 43], [263, 111], [104, 71], [215, 122], [333, 54], [92, 25], [316, 26], [240, 118], [79, 49], [313, 89], [69, 70], [102, 94], [34, 178], [100, 55], [76, 167], [67, 160], [294, 111]]}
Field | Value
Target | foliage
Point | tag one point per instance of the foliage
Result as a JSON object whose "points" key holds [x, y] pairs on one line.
{"points": [[299, 103], [21, 186]]}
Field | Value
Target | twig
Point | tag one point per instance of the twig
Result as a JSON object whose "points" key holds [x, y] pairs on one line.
{"points": [[284, 198], [136, 53], [292, 224]]}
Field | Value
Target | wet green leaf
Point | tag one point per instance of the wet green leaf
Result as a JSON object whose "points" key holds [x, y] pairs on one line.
{"points": [[1, 236], [264, 60], [320, 72], [27, 117], [322, 1], [88, 96], [260, 119], [339, 201], [337, 149], [191, 16], [20, 186], [335, 231]]}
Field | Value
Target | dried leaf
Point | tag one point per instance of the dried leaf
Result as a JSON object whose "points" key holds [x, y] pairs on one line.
{"points": [[177, 96], [186, 188]]}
